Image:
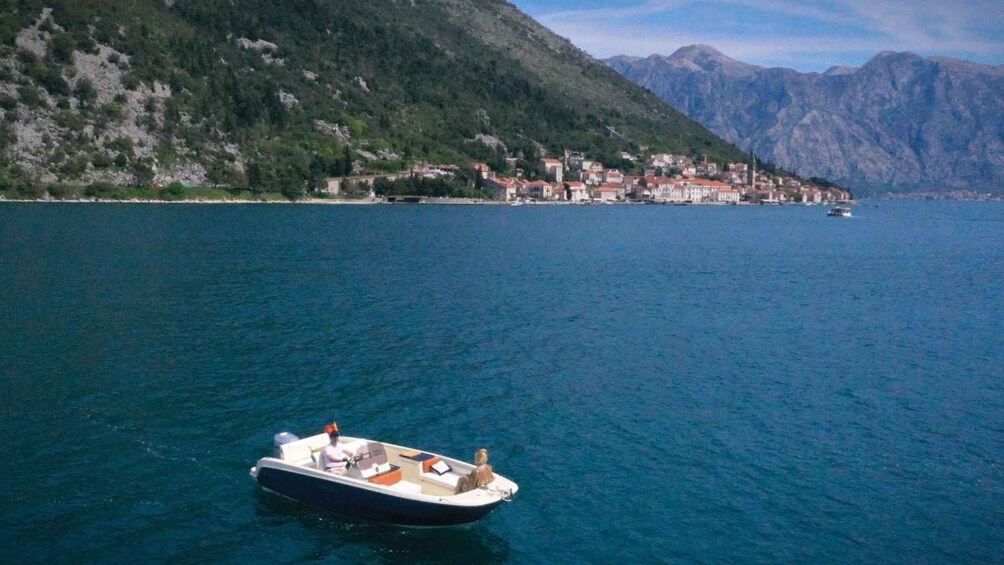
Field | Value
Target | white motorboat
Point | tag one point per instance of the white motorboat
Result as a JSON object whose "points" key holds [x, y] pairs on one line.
{"points": [[385, 483], [839, 212]]}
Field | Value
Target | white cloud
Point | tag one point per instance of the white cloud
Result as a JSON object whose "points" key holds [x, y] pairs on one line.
{"points": [[661, 7], [824, 33], [634, 40], [973, 26], [642, 9]]}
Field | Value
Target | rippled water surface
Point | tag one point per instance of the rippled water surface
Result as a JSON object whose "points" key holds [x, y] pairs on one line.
{"points": [[685, 384]]}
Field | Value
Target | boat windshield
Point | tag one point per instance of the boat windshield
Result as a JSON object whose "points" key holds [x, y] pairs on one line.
{"points": [[371, 456]]}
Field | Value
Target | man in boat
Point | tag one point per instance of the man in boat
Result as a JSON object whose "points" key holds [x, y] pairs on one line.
{"points": [[336, 458], [479, 476]]}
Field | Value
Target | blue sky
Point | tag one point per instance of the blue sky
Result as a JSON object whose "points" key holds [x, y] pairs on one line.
{"points": [[809, 35]]}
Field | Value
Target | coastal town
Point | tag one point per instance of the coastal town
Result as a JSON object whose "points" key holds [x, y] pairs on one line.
{"points": [[665, 178], [572, 179]]}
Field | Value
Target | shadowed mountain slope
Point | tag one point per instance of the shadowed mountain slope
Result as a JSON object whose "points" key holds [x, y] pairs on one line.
{"points": [[899, 122]]}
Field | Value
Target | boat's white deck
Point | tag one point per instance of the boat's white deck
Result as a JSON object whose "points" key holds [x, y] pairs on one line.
{"points": [[415, 478]]}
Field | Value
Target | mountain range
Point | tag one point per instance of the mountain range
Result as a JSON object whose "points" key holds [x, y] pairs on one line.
{"points": [[900, 122], [281, 93]]}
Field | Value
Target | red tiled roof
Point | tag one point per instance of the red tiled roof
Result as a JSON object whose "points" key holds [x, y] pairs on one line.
{"points": [[503, 181]]}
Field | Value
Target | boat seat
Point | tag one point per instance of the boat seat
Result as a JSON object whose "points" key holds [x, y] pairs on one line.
{"points": [[307, 451], [446, 480], [388, 478], [297, 453]]}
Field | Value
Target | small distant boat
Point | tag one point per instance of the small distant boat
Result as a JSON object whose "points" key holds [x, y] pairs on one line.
{"points": [[385, 483], [839, 212]]}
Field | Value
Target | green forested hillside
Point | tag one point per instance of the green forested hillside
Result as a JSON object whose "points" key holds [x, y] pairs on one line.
{"points": [[277, 94]]}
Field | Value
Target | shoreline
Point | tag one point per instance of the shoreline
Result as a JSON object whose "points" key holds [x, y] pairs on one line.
{"points": [[374, 202]]}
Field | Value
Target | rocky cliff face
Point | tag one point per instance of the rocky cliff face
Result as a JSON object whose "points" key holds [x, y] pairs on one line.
{"points": [[900, 122]]}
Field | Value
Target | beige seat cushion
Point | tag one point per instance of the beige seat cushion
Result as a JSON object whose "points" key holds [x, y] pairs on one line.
{"points": [[447, 480]]}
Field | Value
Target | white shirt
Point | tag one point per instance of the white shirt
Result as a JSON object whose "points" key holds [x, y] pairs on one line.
{"points": [[334, 451]]}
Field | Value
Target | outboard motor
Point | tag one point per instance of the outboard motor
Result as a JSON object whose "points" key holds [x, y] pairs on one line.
{"points": [[281, 439]]}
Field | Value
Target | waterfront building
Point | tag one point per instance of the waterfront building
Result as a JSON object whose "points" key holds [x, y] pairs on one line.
{"points": [[553, 169]]}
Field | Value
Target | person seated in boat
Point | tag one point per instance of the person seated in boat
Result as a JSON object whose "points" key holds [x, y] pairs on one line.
{"points": [[335, 457], [479, 476]]}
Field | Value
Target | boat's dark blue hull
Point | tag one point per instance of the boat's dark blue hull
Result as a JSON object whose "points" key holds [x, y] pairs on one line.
{"points": [[366, 504]]}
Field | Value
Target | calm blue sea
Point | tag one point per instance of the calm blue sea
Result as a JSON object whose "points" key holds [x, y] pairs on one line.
{"points": [[666, 384]]}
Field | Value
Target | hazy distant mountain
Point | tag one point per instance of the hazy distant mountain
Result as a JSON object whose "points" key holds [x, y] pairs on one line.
{"points": [[899, 122]]}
